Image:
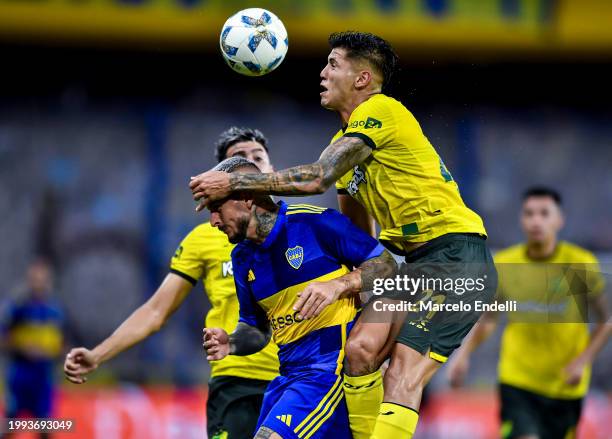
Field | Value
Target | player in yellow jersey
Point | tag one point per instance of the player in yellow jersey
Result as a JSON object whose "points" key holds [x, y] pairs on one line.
{"points": [[544, 368], [386, 170], [237, 384]]}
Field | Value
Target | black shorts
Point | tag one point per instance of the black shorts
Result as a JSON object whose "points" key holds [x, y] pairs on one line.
{"points": [[527, 413], [460, 273], [233, 407]]}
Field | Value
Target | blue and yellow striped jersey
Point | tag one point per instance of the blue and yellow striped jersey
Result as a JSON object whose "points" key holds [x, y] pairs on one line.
{"points": [[306, 244], [34, 330]]}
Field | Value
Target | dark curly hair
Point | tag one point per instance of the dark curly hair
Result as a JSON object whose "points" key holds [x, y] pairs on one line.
{"points": [[234, 135], [370, 47]]}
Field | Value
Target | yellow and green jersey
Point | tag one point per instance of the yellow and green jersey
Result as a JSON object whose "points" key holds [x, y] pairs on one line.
{"points": [[404, 183], [547, 332], [206, 253]]}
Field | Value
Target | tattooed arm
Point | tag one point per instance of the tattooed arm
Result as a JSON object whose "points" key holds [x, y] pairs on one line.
{"points": [[335, 161], [317, 295], [245, 340]]}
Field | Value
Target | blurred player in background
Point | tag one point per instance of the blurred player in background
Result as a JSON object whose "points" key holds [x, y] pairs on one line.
{"points": [[32, 332], [286, 252], [386, 170], [544, 368], [237, 384]]}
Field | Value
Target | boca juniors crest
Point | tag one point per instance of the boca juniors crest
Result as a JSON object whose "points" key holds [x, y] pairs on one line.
{"points": [[295, 256]]}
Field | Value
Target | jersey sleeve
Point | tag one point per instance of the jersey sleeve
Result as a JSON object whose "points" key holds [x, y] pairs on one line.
{"points": [[250, 312], [342, 239], [372, 122], [187, 261]]}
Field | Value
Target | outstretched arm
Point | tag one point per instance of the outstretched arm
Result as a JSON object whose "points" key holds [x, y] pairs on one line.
{"points": [[146, 320], [335, 161], [317, 295], [245, 340]]}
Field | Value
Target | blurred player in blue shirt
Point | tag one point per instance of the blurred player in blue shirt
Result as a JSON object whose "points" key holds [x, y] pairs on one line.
{"points": [[32, 332], [285, 257]]}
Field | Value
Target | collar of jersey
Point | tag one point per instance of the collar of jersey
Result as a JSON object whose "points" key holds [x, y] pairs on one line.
{"points": [[278, 225]]}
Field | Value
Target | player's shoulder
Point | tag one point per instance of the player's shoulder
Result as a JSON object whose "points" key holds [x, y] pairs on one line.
{"points": [[242, 253], [304, 210], [205, 232], [575, 253], [514, 253]]}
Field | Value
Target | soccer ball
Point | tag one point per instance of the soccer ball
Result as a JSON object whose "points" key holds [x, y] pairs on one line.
{"points": [[253, 42]]}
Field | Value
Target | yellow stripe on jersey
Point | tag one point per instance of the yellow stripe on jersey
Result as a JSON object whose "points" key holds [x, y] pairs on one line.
{"points": [[329, 396], [404, 184], [341, 354], [206, 253], [45, 337], [287, 327], [304, 208]]}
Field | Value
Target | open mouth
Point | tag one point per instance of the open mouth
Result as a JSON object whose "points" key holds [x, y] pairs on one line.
{"points": [[323, 89]]}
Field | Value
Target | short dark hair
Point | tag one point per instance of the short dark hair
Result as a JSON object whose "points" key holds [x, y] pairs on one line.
{"points": [[233, 135], [231, 164], [370, 47], [543, 191]]}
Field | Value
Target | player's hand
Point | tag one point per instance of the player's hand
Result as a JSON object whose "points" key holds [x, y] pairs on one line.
{"points": [[216, 343], [574, 371], [210, 186], [315, 297], [79, 362], [457, 369]]}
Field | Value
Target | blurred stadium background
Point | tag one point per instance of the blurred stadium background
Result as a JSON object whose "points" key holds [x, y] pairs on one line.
{"points": [[108, 106]]}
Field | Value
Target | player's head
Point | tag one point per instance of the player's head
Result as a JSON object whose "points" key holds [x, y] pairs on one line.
{"points": [[39, 278], [244, 142], [541, 216], [358, 62], [233, 215]]}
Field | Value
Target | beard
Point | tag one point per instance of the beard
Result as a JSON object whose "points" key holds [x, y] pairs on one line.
{"points": [[241, 231]]}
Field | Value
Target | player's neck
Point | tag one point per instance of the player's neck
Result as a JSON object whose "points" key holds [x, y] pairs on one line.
{"points": [[541, 250], [261, 223], [354, 102]]}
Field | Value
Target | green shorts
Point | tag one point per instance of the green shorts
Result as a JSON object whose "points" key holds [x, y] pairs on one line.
{"points": [[526, 413], [233, 407], [458, 276]]}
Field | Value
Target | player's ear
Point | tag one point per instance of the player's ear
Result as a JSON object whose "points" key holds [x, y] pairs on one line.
{"points": [[364, 77]]}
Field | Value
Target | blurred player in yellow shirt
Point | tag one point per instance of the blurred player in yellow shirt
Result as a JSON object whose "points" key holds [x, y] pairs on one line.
{"points": [[546, 350], [237, 384]]}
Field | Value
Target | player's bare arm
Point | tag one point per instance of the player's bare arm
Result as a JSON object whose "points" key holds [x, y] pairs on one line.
{"points": [[317, 295], [245, 340], [599, 338], [460, 361], [335, 161], [146, 320], [357, 214]]}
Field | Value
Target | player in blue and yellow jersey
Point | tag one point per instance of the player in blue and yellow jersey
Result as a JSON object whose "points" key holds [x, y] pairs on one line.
{"points": [[386, 170], [546, 349], [284, 251], [32, 331], [237, 384]]}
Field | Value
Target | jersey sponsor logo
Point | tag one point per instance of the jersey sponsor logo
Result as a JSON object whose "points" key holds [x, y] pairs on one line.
{"points": [[178, 252], [277, 323], [370, 122], [295, 256], [227, 269], [358, 177], [251, 276], [285, 419]]}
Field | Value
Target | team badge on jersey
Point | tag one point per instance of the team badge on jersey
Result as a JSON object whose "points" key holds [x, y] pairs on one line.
{"points": [[295, 256]]}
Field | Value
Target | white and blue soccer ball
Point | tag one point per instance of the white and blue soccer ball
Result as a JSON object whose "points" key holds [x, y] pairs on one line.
{"points": [[254, 42]]}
